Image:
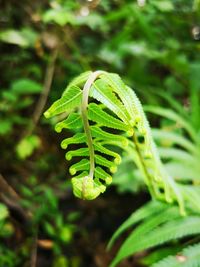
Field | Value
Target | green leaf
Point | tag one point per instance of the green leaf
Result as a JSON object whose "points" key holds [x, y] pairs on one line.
{"points": [[80, 166], [176, 154], [121, 90], [142, 213], [25, 37], [27, 145], [81, 152], [106, 163], [61, 261], [188, 257], [96, 114], [103, 135], [73, 121], [59, 16], [177, 139], [175, 105], [78, 138], [25, 86], [171, 230], [66, 234], [191, 195], [71, 99], [14, 37], [101, 91], [164, 5], [181, 172], [101, 174], [171, 115], [104, 150], [5, 127], [93, 20], [3, 212]]}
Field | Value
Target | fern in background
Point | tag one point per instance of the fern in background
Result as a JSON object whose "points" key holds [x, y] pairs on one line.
{"points": [[158, 222], [188, 257]]}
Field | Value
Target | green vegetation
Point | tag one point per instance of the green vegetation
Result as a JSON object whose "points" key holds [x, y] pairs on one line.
{"points": [[154, 47]]}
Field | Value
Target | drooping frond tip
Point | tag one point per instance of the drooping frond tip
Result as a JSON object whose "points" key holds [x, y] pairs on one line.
{"points": [[105, 113]]}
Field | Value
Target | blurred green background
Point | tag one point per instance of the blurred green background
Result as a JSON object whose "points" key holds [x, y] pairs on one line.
{"points": [[154, 45]]}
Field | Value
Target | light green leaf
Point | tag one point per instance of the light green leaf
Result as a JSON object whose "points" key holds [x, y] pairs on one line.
{"points": [[171, 115], [164, 5], [27, 145], [81, 152], [106, 163], [102, 135], [14, 37], [101, 91], [5, 126], [79, 166], [96, 114], [67, 102], [73, 121], [59, 16], [78, 138], [25, 86], [101, 174], [3, 212], [25, 37], [177, 139], [104, 150]]}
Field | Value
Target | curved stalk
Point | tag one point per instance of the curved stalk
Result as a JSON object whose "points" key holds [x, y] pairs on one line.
{"points": [[84, 105]]}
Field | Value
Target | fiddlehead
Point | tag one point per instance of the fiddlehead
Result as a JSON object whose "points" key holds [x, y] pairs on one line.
{"points": [[107, 113]]}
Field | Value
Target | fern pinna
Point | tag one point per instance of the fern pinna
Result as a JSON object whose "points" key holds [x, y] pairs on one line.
{"points": [[108, 118]]}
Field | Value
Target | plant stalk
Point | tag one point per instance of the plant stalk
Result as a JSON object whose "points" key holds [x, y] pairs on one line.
{"points": [[86, 90]]}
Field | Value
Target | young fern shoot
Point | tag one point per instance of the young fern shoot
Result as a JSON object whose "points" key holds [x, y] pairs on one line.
{"points": [[106, 113]]}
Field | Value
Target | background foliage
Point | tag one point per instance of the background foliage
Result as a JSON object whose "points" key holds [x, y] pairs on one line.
{"points": [[154, 46]]}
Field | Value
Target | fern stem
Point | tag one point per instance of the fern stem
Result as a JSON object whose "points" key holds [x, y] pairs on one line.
{"points": [[150, 185], [86, 90]]}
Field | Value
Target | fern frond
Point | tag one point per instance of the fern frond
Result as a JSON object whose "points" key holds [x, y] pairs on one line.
{"points": [[118, 108], [142, 213], [169, 114], [188, 257], [192, 196], [174, 229], [162, 135], [176, 154], [181, 172]]}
